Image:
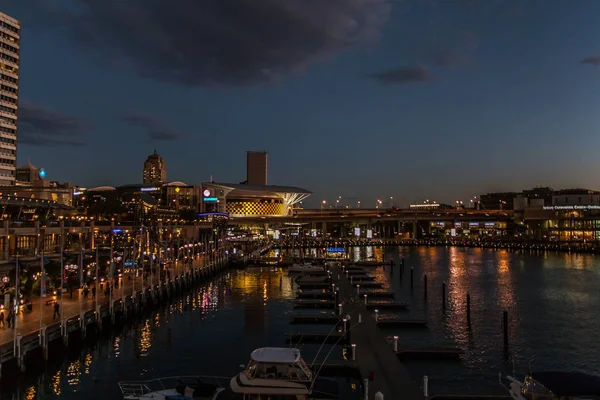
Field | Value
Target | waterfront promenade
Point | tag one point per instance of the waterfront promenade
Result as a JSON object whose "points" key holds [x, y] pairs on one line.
{"points": [[29, 321]]}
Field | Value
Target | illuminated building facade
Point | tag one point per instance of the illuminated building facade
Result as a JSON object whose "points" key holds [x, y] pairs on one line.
{"points": [[155, 170], [573, 216], [10, 30], [242, 200]]}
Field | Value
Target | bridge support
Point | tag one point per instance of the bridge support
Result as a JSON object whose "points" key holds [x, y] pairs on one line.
{"points": [[20, 354], [82, 324], [44, 341], [99, 316]]}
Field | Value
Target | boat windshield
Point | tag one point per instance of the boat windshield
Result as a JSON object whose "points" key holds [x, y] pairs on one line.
{"points": [[298, 371]]}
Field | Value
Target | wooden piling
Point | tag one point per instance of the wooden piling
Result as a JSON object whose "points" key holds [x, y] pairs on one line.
{"points": [[468, 309], [505, 328], [444, 296], [425, 287], [412, 273]]}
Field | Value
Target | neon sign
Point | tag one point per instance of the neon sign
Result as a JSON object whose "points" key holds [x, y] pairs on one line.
{"points": [[149, 189], [211, 199]]}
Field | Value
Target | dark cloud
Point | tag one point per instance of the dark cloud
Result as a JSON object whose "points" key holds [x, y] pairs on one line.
{"points": [[40, 126], [403, 75], [202, 42], [154, 128], [594, 60]]}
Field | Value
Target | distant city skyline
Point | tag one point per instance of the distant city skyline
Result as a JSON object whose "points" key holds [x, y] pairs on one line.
{"points": [[410, 100]]}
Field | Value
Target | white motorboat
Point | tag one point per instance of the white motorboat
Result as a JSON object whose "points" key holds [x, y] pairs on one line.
{"points": [[554, 385], [272, 373], [279, 372], [305, 268], [177, 388]]}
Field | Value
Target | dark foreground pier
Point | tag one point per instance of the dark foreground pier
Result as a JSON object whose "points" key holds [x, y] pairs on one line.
{"points": [[377, 360]]}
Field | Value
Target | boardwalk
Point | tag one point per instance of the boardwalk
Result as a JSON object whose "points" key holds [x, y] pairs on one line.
{"points": [[374, 356], [29, 322]]}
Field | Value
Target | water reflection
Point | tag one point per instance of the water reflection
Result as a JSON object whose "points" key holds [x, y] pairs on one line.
{"points": [[552, 302], [31, 392], [55, 383]]}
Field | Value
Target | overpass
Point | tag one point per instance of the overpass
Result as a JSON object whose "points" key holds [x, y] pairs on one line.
{"points": [[363, 216]]}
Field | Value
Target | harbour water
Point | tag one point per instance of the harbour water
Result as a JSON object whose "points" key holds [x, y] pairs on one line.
{"points": [[551, 298]]}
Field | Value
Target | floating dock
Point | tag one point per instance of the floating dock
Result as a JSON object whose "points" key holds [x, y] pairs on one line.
{"points": [[330, 338], [387, 306], [443, 353], [402, 323]]}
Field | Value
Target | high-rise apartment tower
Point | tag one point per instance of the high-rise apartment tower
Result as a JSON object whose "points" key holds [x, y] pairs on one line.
{"points": [[256, 168], [10, 43], [155, 170]]}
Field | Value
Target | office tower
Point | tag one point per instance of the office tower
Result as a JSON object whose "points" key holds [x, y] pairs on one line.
{"points": [[10, 30], [256, 168], [155, 170]]}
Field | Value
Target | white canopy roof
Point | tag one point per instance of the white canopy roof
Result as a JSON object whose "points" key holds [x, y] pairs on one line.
{"points": [[276, 355]]}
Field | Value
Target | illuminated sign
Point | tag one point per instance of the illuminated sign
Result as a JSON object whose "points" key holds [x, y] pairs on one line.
{"points": [[369, 233], [440, 223], [149, 189], [357, 231], [117, 230], [572, 208], [77, 193], [473, 223], [210, 199], [490, 224], [458, 224], [206, 192], [336, 250], [42, 173]]}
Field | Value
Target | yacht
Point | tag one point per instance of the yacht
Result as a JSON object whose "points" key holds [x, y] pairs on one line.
{"points": [[282, 373], [554, 385], [272, 373]]}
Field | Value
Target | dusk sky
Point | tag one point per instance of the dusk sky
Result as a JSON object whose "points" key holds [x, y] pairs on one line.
{"points": [[362, 99]]}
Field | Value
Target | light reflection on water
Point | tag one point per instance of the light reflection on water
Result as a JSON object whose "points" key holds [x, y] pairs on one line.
{"points": [[552, 300]]}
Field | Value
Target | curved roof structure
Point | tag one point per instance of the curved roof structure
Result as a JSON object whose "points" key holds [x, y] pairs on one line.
{"points": [[101, 189], [175, 183], [261, 188]]}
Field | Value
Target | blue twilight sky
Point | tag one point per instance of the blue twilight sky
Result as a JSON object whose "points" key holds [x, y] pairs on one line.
{"points": [[364, 99]]}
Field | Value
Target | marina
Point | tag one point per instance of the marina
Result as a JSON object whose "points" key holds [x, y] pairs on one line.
{"points": [[404, 334]]}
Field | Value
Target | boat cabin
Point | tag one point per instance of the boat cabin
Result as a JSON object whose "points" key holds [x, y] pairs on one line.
{"points": [[278, 363]]}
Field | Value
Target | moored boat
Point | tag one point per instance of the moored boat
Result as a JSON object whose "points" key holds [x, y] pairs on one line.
{"points": [[279, 372], [554, 385]]}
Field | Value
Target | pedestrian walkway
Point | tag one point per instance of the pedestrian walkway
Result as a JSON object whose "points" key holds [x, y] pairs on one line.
{"points": [[375, 358], [29, 321]]}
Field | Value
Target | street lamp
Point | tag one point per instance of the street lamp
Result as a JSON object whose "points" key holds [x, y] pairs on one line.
{"points": [[358, 203], [377, 203], [391, 202]]}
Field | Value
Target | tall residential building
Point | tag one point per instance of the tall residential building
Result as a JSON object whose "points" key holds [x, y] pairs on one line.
{"points": [[256, 168], [155, 170], [10, 42]]}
